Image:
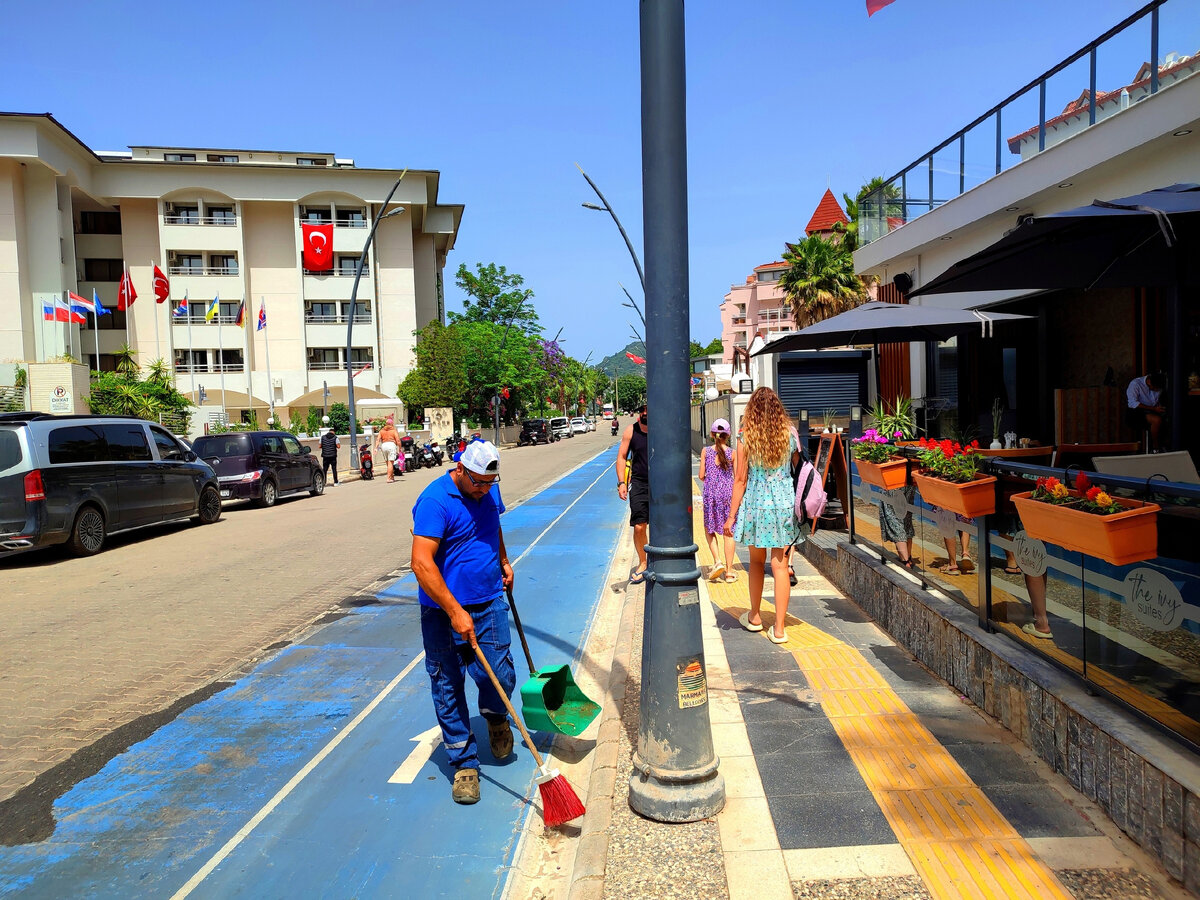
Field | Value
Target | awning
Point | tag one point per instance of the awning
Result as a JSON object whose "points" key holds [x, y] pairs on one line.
{"points": [[883, 323], [338, 393]]}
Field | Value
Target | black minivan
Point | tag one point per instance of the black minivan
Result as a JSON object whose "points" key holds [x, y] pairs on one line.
{"points": [[78, 479], [260, 465]]}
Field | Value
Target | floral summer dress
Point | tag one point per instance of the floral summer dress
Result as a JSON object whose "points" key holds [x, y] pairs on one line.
{"points": [[718, 491], [767, 517]]}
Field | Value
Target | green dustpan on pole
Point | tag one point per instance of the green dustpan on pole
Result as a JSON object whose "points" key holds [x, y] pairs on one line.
{"points": [[550, 699]]}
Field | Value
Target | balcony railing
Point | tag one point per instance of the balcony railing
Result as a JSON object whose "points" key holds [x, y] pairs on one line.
{"points": [[183, 368], [198, 319], [738, 320], [359, 319], [338, 273], [978, 152], [349, 223], [335, 366], [199, 220], [203, 270]]}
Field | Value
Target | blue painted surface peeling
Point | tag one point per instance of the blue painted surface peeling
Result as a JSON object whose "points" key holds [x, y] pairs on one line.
{"points": [[155, 815]]}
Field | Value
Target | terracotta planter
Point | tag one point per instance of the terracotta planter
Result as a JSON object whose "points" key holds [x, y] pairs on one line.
{"points": [[974, 498], [887, 475], [1121, 538]]}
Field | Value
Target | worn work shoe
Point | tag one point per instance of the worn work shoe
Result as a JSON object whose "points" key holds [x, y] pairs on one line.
{"points": [[466, 786], [501, 738]]}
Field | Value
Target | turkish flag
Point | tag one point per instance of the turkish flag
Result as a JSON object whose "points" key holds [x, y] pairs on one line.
{"points": [[318, 247], [874, 6], [636, 359], [162, 287], [125, 292]]}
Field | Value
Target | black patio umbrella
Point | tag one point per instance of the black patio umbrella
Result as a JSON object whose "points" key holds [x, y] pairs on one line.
{"points": [[1147, 240], [1129, 242], [882, 323]]}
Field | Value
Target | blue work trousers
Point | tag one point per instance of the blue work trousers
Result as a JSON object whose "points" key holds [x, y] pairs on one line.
{"points": [[448, 657]]}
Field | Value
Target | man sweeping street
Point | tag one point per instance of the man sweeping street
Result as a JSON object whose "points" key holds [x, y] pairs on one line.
{"points": [[463, 571]]}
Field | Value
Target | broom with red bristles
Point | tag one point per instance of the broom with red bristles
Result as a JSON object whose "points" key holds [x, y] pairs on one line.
{"points": [[559, 802]]}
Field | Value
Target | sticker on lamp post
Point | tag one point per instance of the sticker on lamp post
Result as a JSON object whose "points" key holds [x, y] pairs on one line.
{"points": [[693, 686]]}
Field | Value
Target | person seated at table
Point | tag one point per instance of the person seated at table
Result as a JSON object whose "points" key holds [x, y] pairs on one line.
{"points": [[1145, 410]]}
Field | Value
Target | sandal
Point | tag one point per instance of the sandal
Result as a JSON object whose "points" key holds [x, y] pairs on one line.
{"points": [[716, 573], [776, 640], [966, 565], [1012, 570], [730, 577], [950, 570], [636, 577], [1030, 628], [909, 563], [791, 579], [744, 621]]}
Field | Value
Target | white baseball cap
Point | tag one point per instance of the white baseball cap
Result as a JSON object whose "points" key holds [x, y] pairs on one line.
{"points": [[481, 457]]}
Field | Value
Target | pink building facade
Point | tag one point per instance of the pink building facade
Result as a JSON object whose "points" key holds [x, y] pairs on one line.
{"points": [[754, 307]]}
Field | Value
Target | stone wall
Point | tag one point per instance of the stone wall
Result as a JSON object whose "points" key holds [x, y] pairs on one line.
{"points": [[1148, 784]]}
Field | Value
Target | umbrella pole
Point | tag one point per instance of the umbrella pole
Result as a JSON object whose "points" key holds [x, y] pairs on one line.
{"points": [[878, 377], [1175, 327]]}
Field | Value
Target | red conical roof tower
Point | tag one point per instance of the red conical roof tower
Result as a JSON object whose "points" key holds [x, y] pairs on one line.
{"points": [[828, 213]]}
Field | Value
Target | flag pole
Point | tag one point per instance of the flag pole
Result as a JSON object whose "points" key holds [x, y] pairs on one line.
{"points": [[191, 356], [246, 358], [157, 346], [45, 356], [267, 349], [125, 286], [221, 359], [70, 327], [96, 329]]}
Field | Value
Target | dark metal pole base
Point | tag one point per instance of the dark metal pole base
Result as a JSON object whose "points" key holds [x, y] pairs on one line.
{"points": [[676, 800]]}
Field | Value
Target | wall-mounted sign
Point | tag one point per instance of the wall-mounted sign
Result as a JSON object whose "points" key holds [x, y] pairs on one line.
{"points": [[1154, 599], [60, 400]]}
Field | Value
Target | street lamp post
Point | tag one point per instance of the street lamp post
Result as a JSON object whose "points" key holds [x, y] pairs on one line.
{"points": [[353, 300], [637, 263], [632, 304], [675, 770]]}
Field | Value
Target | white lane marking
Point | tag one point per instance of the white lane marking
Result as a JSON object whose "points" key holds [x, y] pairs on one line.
{"points": [[582, 494], [427, 742], [295, 780]]}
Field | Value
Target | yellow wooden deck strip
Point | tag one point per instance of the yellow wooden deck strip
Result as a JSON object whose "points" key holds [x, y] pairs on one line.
{"points": [[958, 841]]}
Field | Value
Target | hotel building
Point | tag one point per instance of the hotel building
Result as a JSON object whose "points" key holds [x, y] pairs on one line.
{"points": [[220, 223]]}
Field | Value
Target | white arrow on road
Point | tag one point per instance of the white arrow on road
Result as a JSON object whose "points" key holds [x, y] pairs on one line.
{"points": [[427, 742]]}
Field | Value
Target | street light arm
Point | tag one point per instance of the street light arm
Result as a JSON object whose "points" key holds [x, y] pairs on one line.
{"points": [[358, 270], [637, 263]]}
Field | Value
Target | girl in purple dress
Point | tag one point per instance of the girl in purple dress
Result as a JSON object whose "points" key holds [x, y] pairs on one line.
{"points": [[716, 471]]}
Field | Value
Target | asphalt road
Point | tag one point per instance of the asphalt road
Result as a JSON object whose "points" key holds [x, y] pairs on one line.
{"points": [[97, 653]]}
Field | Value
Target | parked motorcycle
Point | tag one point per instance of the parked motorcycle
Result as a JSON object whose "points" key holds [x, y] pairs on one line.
{"points": [[425, 455], [439, 455], [366, 465]]}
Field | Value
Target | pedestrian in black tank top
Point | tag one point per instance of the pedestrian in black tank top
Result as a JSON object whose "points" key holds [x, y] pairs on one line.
{"points": [[634, 456]]}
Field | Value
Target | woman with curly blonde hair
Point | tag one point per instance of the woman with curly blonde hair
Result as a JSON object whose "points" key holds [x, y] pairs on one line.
{"points": [[762, 511]]}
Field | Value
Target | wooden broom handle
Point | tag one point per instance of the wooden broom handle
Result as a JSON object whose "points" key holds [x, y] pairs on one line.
{"points": [[507, 704], [512, 604]]}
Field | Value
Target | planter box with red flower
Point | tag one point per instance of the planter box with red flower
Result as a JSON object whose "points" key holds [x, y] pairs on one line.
{"points": [[887, 475], [951, 479], [969, 498], [1088, 520]]}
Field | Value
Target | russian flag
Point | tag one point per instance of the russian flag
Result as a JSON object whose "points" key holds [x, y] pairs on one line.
{"points": [[57, 311]]}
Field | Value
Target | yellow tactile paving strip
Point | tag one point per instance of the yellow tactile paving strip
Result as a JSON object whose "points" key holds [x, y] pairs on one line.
{"points": [[958, 841]]}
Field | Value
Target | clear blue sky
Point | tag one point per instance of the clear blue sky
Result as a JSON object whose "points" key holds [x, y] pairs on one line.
{"points": [[784, 99]]}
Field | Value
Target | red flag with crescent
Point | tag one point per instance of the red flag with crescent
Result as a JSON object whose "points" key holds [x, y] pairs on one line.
{"points": [[318, 247], [162, 287], [125, 292]]}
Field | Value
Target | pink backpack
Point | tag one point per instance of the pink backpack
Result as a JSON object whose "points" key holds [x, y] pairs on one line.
{"points": [[810, 493]]}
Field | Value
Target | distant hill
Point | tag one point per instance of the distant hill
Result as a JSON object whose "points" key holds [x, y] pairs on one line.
{"points": [[622, 364]]}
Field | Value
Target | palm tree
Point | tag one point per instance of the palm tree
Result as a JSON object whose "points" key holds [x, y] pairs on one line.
{"points": [[126, 364], [819, 281]]}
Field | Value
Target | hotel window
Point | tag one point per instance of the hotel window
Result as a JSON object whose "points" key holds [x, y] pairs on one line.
{"points": [[222, 157], [183, 215], [103, 269], [316, 215], [346, 265], [326, 311], [187, 264], [311, 161], [179, 157], [221, 215], [198, 360], [230, 360], [360, 355], [92, 222], [319, 358], [222, 264], [352, 218], [229, 313]]}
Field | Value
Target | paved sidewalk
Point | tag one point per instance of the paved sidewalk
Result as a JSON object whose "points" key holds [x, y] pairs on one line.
{"points": [[851, 771]]}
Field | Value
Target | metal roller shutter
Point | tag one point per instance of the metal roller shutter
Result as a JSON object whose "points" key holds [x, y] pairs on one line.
{"points": [[818, 383]]}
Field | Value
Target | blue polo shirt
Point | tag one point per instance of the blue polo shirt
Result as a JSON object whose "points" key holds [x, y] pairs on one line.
{"points": [[468, 532]]}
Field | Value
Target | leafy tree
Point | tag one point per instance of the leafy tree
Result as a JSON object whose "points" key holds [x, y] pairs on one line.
{"points": [[125, 393], [819, 281], [888, 195], [632, 390], [440, 376], [496, 296], [339, 419]]}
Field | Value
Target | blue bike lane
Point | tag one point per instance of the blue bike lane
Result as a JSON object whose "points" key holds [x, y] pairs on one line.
{"points": [[319, 773]]}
